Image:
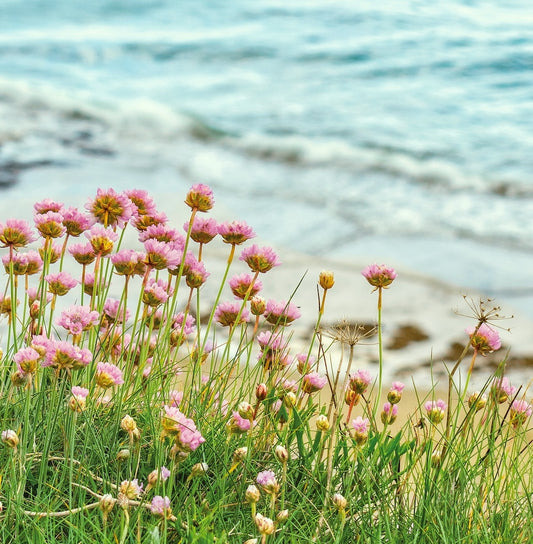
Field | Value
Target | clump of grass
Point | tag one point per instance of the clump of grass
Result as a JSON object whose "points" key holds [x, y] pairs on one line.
{"points": [[125, 419]]}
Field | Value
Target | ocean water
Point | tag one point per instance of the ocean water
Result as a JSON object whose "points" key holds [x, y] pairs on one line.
{"points": [[401, 131]]}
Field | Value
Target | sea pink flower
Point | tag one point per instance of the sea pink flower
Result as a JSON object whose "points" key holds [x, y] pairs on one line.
{"points": [[5, 305], [64, 355], [501, 389], [15, 233], [271, 341], [304, 362], [49, 224], [34, 263], [102, 239], [200, 197], [127, 261], [130, 489], [108, 375], [267, 481], [52, 253], [243, 284], [83, 253], [160, 506], [395, 394], [379, 276], [177, 323], [160, 255], [197, 275], [260, 259], [43, 345], [257, 305], [182, 429], [161, 475], [77, 319], [361, 427], [142, 222], [162, 233], [156, 292], [238, 424], [281, 313], [143, 204], [80, 392], [235, 232], [313, 382], [227, 313], [76, 222], [359, 381], [48, 205], [203, 230], [113, 311], [60, 283], [520, 412], [110, 208], [175, 397], [27, 360], [485, 339], [435, 410], [18, 262], [389, 413], [78, 399]]}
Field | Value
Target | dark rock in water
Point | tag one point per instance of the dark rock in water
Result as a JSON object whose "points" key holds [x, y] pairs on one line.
{"points": [[97, 151], [405, 335], [9, 171]]}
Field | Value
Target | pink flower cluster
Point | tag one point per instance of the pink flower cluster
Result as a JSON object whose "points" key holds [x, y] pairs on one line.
{"points": [[182, 429]]}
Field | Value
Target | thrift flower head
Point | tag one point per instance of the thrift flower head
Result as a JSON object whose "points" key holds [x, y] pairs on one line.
{"points": [[238, 424], [235, 232], [160, 506], [266, 480], [389, 413], [485, 339], [257, 305], [156, 292], [114, 312], [63, 355], [126, 262], [501, 389], [162, 233], [130, 489], [142, 222], [161, 475], [61, 283], [110, 208], [339, 501], [313, 382], [48, 205], [78, 399], [243, 284], [200, 197], [379, 276], [260, 259], [359, 381], [143, 204], [197, 275], [520, 412], [107, 375], [395, 394], [52, 252], [435, 410], [27, 360], [50, 224], [182, 429], [361, 427], [264, 525], [15, 233], [102, 239], [83, 253], [18, 263], [188, 326], [34, 263], [10, 438], [281, 313], [160, 255], [252, 494], [76, 222], [326, 279], [227, 314], [203, 229], [77, 319]]}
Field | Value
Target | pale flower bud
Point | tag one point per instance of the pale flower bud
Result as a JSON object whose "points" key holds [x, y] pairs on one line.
{"points": [[326, 279], [106, 504], [252, 541], [239, 455], [339, 501], [478, 400], [261, 392], [123, 455], [322, 423], [264, 525], [10, 438], [128, 424], [282, 454], [282, 516], [246, 410], [290, 399], [436, 458], [199, 469], [252, 494]]}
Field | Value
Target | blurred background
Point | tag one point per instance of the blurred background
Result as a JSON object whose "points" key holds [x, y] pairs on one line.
{"points": [[396, 131]]}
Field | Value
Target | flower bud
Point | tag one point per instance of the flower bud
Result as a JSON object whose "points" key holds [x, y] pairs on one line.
{"points": [[326, 279], [252, 541], [290, 399], [239, 455], [436, 458], [19, 379], [257, 305], [199, 469], [351, 398], [282, 517], [10, 438], [128, 424], [261, 392], [106, 504], [252, 494], [123, 455], [264, 525], [246, 410], [282, 454], [339, 501], [477, 400], [322, 423]]}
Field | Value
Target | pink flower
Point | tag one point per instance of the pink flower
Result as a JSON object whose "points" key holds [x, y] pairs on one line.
{"points": [[271, 341], [520, 412], [50, 224], [156, 292], [395, 394], [160, 255], [361, 427], [18, 263], [77, 319], [113, 311], [359, 381], [436, 410], [61, 283], [379, 276], [27, 360], [267, 481], [182, 429], [235, 232], [15, 233], [260, 259], [78, 399], [160, 506], [142, 203], [80, 392], [110, 208], [177, 323], [48, 205], [108, 375], [76, 222], [203, 230], [53, 252], [162, 233], [501, 389], [313, 382], [34, 263], [130, 489], [83, 253], [243, 285], [485, 339], [64, 355], [238, 424], [304, 362], [197, 275], [281, 313], [200, 197], [102, 239], [142, 222], [227, 314], [389, 413], [128, 262], [175, 398]]}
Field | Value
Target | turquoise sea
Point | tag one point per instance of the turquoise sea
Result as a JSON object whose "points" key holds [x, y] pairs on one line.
{"points": [[397, 130]]}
